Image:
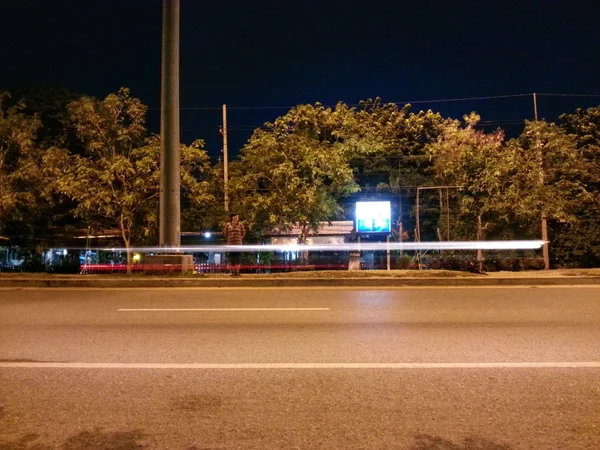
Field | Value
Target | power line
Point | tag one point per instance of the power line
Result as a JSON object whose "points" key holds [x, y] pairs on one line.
{"points": [[570, 95], [504, 120], [490, 97], [413, 102], [444, 100], [384, 103]]}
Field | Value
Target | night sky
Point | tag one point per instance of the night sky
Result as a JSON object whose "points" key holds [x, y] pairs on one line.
{"points": [[274, 54]]}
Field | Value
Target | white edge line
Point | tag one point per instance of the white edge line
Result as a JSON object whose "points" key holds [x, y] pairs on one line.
{"points": [[217, 309], [283, 288], [205, 366]]}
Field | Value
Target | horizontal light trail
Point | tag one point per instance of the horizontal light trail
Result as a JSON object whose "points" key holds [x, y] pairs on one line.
{"points": [[362, 246], [217, 309], [230, 366]]}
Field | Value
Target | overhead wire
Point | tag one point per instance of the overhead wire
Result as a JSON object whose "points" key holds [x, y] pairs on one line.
{"points": [[569, 95], [443, 100]]}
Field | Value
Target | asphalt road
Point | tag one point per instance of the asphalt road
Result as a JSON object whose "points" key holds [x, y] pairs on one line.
{"points": [[408, 368]]}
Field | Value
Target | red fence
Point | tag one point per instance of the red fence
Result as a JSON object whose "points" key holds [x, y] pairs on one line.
{"points": [[206, 268]]}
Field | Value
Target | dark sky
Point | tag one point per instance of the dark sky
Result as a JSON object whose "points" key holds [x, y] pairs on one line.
{"points": [[280, 53]]}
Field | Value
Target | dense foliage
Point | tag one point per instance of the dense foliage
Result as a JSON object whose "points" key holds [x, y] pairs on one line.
{"points": [[70, 162]]}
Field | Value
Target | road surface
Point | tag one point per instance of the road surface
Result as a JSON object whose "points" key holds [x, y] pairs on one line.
{"points": [[407, 368]]}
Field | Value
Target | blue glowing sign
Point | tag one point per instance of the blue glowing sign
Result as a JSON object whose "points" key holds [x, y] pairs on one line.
{"points": [[373, 217]]}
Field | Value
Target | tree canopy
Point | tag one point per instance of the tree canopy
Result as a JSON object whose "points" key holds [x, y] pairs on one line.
{"points": [[115, 182], [293, 170], [70, 161], [25, 197], [577, 242]]}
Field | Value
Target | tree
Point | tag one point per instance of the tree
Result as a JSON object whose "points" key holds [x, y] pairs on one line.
{"points": [[115, 182], [393, 157], [478, 164], [578, 241], [293, 170], [52, 217], [397, 137], [24, 194], [547, 167], [49, 103], [547, 180]]}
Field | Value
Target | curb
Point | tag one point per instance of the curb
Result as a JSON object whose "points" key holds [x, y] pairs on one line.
{"points": [[291, 282]]}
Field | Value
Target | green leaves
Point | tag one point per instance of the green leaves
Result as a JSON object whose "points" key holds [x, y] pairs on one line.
{"points": [[578, 241], [537, 174], [95, 157], [478, 163], [546, 171], [115, 183], [393, 144], [22, 186], [292, 171]]}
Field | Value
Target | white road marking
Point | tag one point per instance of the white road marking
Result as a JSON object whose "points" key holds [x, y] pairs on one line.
{"points": [[218, 309], [293, 288], [228, 366]]}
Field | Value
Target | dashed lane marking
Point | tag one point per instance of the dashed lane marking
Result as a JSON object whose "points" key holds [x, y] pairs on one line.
{"points": [[217, 309]]}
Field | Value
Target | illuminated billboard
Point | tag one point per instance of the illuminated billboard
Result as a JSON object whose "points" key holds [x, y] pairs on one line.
{"points": [[373, 217]]}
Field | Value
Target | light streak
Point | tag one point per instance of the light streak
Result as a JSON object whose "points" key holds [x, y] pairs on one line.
{"points": [[347, 247]]}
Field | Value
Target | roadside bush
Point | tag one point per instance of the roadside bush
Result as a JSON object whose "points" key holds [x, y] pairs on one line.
{"points": [[530, 264], [33, 264], [404, 261], [452, 261], [516, 264], [70, 265]]}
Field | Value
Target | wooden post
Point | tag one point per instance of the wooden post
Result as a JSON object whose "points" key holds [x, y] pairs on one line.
{"points": [[225, 162], [418, 228], [545, 248]]}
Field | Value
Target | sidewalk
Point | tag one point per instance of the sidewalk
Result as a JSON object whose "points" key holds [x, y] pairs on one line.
{"points": [[318, 279]]}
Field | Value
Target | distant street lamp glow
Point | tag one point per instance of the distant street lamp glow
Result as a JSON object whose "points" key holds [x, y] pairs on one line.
{"points": [[207, 235]]}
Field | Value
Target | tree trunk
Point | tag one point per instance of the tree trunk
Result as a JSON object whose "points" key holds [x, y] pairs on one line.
{"points": [[479, 238], [129, 257], [545, 248], [127, 240], [442, 217], [302, 240]]}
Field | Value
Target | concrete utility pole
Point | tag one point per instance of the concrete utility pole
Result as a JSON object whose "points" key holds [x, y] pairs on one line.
{"points": [[225, 161], [169, 216], [545, 249], [170, 192]]}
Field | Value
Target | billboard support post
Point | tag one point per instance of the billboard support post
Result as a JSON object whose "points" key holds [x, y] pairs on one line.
{"points": [[374, 218]]}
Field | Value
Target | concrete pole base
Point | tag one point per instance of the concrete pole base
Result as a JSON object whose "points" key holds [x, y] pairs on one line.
{"points": [[168, 264]]}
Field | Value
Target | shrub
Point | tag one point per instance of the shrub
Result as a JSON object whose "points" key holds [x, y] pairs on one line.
{"points": [[452, 261], [404, 261]]}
